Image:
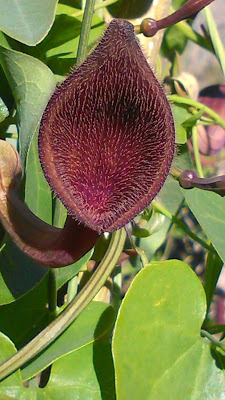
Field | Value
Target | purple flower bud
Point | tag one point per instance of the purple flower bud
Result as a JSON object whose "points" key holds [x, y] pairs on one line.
{"points": [[211, 138], [188, 180], [106, 140]]}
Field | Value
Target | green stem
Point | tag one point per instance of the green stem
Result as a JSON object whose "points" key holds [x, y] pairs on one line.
{"points": [[85, 31], [142, 255], [176, 221], [52, 294], [196, 152], [215, 38], [189, 102], [72, 289], [212, 339], [51, 332], [104, 3], [58, 220]]}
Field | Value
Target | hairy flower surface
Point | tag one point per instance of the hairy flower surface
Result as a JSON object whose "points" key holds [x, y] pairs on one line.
{"points": [[106, 138]]}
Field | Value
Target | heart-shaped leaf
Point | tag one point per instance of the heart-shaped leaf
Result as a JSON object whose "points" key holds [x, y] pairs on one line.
{"points": [[157, 347]]}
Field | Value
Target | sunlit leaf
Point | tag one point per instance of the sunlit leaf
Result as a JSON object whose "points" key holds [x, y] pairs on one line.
{"points": [[158, 351], [25, 20]]}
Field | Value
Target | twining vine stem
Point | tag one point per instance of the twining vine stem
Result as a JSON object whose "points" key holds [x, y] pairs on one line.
{"points": [[174, 98]]}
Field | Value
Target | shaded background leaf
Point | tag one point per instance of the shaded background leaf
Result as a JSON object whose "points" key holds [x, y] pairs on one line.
{"points": [[86, 372], [25, 317]]}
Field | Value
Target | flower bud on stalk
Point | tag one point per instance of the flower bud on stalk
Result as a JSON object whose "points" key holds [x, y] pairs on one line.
{"points": [[149, 27], [188, 180]]}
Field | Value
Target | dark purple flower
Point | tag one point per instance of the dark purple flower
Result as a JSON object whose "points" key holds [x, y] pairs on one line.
{"points": [[106, 140], [106, 145]]}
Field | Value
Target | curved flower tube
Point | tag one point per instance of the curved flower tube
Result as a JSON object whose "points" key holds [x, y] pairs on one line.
{"points": [[46, 244]]}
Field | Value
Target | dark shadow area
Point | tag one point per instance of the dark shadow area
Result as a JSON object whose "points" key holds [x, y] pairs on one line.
{"points": [[129, 9], [102, 356], [45, 376], [19, 272], [218, 357], [71, 3]]}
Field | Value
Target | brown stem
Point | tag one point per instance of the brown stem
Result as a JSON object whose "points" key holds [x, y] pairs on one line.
{"points": [[186, 11], [149, 27], [46, 244]]}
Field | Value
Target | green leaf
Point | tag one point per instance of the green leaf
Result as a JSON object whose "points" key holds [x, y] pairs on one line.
{"points": [[213, 268], [32, 84], [192, 121], [64, 274], [130, 9], [14, 381], [19, 273], [65, 43], [4, 41], [93, 323], [27, 21], [66, 9], [157, 348], [180, 115], [38, 194], [5, 295], [25, 317], [174, 41], [3, 111], [86, 372], [209, 210]]}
